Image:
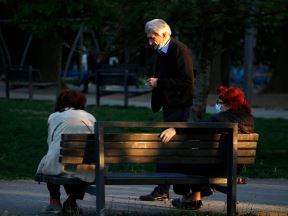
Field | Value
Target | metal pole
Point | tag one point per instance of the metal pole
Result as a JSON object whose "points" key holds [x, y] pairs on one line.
{"points": [[249, 45], [7, 81], [30, 77]]}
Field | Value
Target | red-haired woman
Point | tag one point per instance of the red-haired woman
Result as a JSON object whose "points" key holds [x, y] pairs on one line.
{"points": [[231, 106], [69, 117]]}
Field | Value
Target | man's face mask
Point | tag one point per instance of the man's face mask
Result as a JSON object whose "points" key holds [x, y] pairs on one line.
{"points": [[155, 40], [160, 46]]}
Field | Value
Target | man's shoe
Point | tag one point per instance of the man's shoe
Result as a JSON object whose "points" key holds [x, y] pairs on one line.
{"points": [[206, 191], [54, 208], [155, 196], [241, 180]]}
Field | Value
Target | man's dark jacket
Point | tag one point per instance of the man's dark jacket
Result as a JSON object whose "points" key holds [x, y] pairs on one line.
{"points": [[174, 70]]}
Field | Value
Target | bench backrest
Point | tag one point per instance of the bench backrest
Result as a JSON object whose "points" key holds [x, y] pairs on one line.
{"points": [[204, 144], [116, 76], [23, 73]]}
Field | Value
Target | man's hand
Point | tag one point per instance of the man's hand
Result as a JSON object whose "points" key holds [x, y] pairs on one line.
{"points": [[152, 82], [167, 135]]}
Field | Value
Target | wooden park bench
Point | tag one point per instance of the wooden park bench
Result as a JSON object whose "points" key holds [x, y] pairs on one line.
{"points": [[117, 143]]}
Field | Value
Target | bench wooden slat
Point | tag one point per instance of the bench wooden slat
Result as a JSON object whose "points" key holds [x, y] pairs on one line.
{"points": [[152, 152], [160, 145], [248, 137], [141, 144], [155, 137], [146, 160], [160, 178], [246, 160], [163, 152], [81, 137], [247, 145], [77, 144], [246, 153], [150, 159]]}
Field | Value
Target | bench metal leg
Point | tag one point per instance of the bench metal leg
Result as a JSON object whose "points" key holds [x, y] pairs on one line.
{"points": [[100, 198], [232, 174], [100, 183]]}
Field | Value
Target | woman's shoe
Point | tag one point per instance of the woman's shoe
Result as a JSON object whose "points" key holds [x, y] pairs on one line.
{"points": [[71, 208], [192, 205], [54, 207]]}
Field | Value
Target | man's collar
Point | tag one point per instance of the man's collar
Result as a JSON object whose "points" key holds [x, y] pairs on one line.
{"points": [[164, 49]]}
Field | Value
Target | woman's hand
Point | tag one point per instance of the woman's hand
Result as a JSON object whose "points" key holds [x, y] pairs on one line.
{"points": [[167, 135]]}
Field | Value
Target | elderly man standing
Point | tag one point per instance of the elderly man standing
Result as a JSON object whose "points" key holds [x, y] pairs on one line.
{"points": [[172, 86]]}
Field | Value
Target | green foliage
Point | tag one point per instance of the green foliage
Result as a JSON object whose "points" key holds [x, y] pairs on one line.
{"points": [[198, 23], [23, 136], [43, 16], [271, 160]]}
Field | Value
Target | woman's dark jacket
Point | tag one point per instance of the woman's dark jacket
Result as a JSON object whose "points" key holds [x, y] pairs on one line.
{"points": [[245, 125], [245, 120]]}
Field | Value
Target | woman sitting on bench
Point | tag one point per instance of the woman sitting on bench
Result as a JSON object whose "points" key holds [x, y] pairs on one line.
{"points": [[231, 106], [69, 117]]}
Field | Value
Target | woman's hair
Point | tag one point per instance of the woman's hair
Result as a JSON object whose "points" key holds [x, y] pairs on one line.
{"points": [[234, 98], [70, 98], [157, 26]]}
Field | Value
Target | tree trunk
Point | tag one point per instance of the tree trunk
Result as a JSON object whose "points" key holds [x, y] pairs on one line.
{"points": [[226, 59], [49, 58], [278, 83], [201, 90], [215, 74]]}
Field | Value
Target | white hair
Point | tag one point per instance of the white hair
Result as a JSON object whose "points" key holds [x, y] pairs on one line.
{"points": [[157, 26]]}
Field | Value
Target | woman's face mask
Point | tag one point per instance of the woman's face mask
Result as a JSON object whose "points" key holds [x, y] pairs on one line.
{"points": [[218, 107]]}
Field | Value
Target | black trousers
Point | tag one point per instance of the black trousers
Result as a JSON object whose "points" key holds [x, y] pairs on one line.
{"points": [[76, 191], [171, 114], [204, 170]]}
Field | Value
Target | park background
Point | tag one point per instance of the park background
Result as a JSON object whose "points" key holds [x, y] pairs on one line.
{"points": [[243, 43]]}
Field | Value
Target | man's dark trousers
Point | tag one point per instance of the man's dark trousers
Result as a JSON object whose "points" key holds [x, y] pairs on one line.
{"points": [[171, 114]]}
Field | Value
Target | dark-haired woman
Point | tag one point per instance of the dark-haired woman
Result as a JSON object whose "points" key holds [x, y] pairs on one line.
{"points": [[231, 106], [69, 117]]}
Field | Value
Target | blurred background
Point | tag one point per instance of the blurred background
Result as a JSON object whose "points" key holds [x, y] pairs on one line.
{"points": [[64, 43]]}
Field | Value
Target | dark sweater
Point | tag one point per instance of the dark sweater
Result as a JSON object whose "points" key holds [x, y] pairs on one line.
{"points": [[174, 71]]}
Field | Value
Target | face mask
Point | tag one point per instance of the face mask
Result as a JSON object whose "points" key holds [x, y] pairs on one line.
{"points": [[218, 107], [160, 46]]}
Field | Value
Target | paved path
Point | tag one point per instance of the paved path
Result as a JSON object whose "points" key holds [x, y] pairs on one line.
{"points": [[26, 197]]}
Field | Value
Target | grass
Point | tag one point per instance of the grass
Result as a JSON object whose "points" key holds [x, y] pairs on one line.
{"points": [[23, 126]]}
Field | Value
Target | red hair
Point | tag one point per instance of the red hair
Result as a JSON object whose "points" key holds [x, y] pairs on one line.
{"points": [[70, 98], [234, 98]]}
